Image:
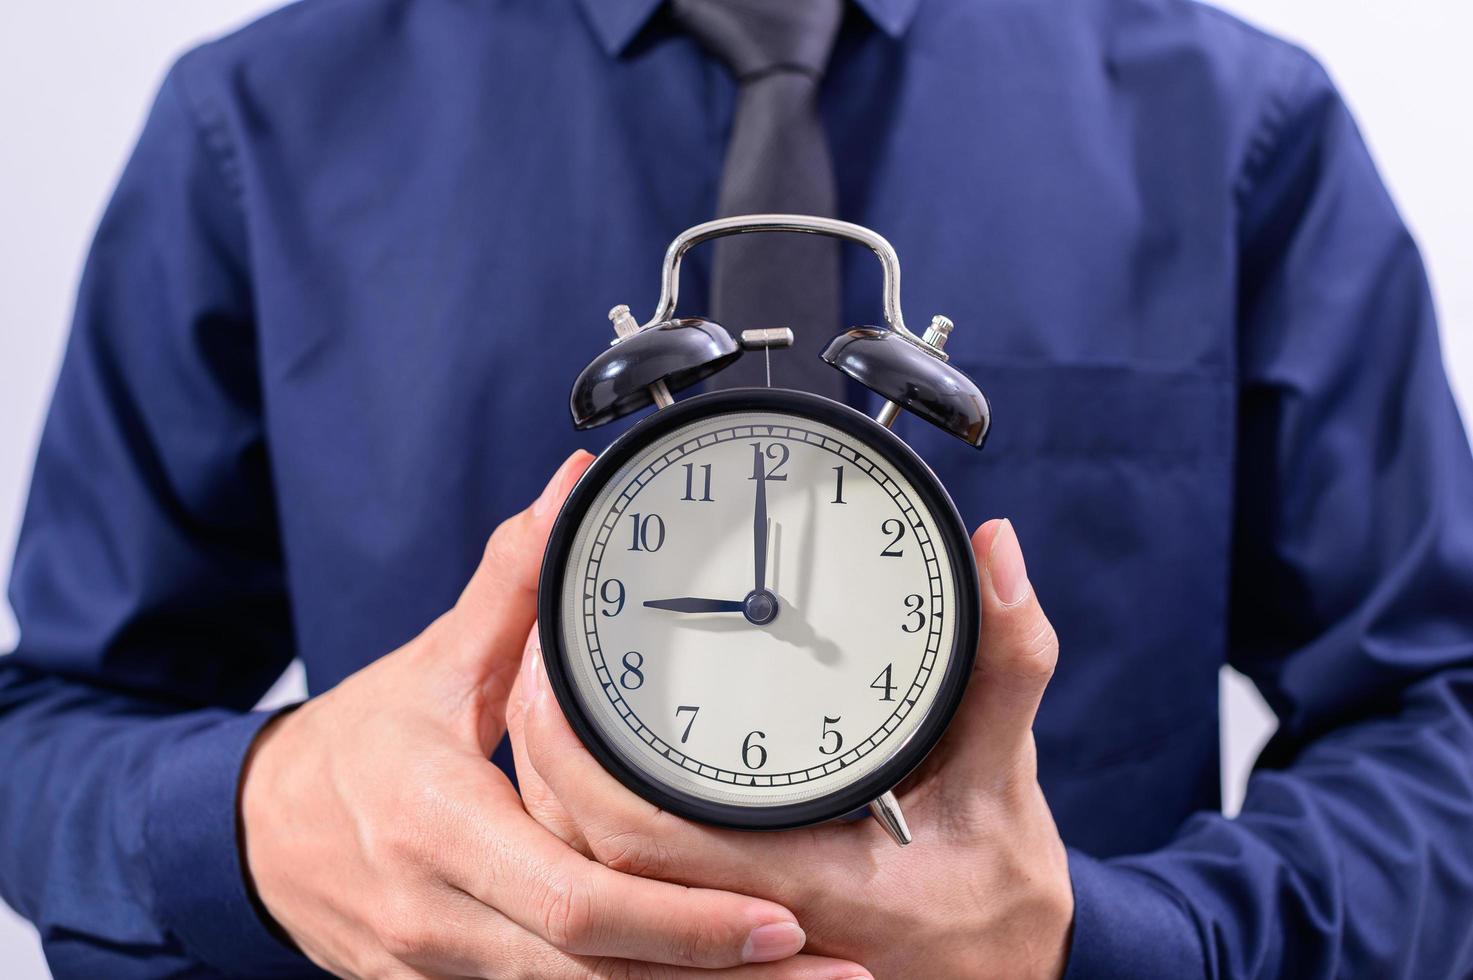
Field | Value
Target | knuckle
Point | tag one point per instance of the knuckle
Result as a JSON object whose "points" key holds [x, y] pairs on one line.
{"points": [[608, 968], [403, 940], [698, 941], [1039, 651], [569, 921], [404, 930], [495, 544], [502, 551], [632, 853], [394, 845]]}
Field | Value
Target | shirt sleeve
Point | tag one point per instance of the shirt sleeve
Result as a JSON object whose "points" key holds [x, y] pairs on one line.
{"points": [[148, 588], [1352, 608]]}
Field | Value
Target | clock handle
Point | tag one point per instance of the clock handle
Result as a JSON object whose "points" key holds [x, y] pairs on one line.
{"points": [[742, 224], [649, 361], [910, 372], [886, 809]]}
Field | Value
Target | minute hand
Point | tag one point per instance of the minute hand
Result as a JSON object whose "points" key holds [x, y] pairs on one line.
{"points": [[759, 518], [689, 605]]}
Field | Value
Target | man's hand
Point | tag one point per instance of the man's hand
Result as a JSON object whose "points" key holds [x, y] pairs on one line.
{"points": [[382, 841], [983, 891]]}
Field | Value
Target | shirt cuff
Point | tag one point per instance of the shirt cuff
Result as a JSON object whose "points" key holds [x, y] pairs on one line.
{"points": [[194, 853], [1127, 926]]}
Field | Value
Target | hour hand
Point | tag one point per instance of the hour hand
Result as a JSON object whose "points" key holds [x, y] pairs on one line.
{"points": [[690, 605]]}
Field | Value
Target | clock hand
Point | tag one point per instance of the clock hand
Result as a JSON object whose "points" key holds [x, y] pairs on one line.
{"points": [[689, 605], [759, 519]]}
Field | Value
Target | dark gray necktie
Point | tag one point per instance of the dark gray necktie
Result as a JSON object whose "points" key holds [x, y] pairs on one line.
{"points": [[777, 160]]}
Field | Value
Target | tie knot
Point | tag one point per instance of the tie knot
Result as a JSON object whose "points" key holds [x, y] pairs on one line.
{"points": [[755, 37]]}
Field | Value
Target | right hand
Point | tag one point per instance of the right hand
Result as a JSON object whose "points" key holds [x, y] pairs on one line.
{"points": [[383, 842]]}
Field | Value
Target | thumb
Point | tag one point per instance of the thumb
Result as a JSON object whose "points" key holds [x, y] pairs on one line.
{"points": [[491, 619], [1016, 654]]}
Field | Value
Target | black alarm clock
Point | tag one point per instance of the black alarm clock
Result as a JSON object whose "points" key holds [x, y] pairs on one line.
{"points": [[759, 607]]}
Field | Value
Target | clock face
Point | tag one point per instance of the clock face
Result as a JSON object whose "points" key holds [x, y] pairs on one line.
{"points": [[757, 606]]}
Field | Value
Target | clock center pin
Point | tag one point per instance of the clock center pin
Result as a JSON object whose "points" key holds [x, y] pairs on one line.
{"points": [[760, 607]]}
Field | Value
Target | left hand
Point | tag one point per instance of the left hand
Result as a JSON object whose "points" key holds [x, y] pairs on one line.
{"points": [[984, 889]]}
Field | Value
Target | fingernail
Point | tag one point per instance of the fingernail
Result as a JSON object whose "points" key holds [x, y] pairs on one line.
{"points": [[774, 941], [550, 492], [1005, 565], [534, 678]]}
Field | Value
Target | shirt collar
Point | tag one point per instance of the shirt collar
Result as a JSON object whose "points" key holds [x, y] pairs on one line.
{"points": [[616, 22]]}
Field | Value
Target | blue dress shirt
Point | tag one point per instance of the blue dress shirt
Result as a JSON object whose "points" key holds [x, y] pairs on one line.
{"points": [[324, 343]]}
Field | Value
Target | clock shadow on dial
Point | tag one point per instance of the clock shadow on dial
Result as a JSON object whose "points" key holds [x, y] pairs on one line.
{"points": [[731, 711], [792, 587]]}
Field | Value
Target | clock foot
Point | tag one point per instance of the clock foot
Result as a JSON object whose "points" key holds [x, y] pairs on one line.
{"points": [[886, 810]]}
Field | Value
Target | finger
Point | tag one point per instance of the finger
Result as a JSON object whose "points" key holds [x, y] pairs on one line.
{"points": [[466, 938], [1016, 655], [461, 936], [499, 604], [537, 798], [633, 836], [801, 967], [583, 907]]}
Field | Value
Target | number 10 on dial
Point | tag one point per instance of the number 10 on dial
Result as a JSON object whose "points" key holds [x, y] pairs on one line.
{"points": [[759, 609]]}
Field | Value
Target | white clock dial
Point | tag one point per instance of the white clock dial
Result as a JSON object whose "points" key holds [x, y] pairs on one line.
{"points": [[766, 713]]}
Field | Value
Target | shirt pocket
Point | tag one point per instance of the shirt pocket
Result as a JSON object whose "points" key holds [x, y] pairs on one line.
{"points": [[1174, 417], [1119, 481]]}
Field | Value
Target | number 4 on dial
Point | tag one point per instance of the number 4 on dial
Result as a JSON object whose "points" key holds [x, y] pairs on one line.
{"points": [[884, 685]]}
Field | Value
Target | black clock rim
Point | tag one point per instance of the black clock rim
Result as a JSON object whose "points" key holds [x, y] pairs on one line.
{"points": [[953, 535]]}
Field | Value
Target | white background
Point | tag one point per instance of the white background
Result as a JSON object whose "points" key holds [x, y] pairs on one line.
{"points": [[77, 77]]}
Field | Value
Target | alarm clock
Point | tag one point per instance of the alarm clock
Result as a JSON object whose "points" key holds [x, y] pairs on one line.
{"points": [[759, 607]]}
